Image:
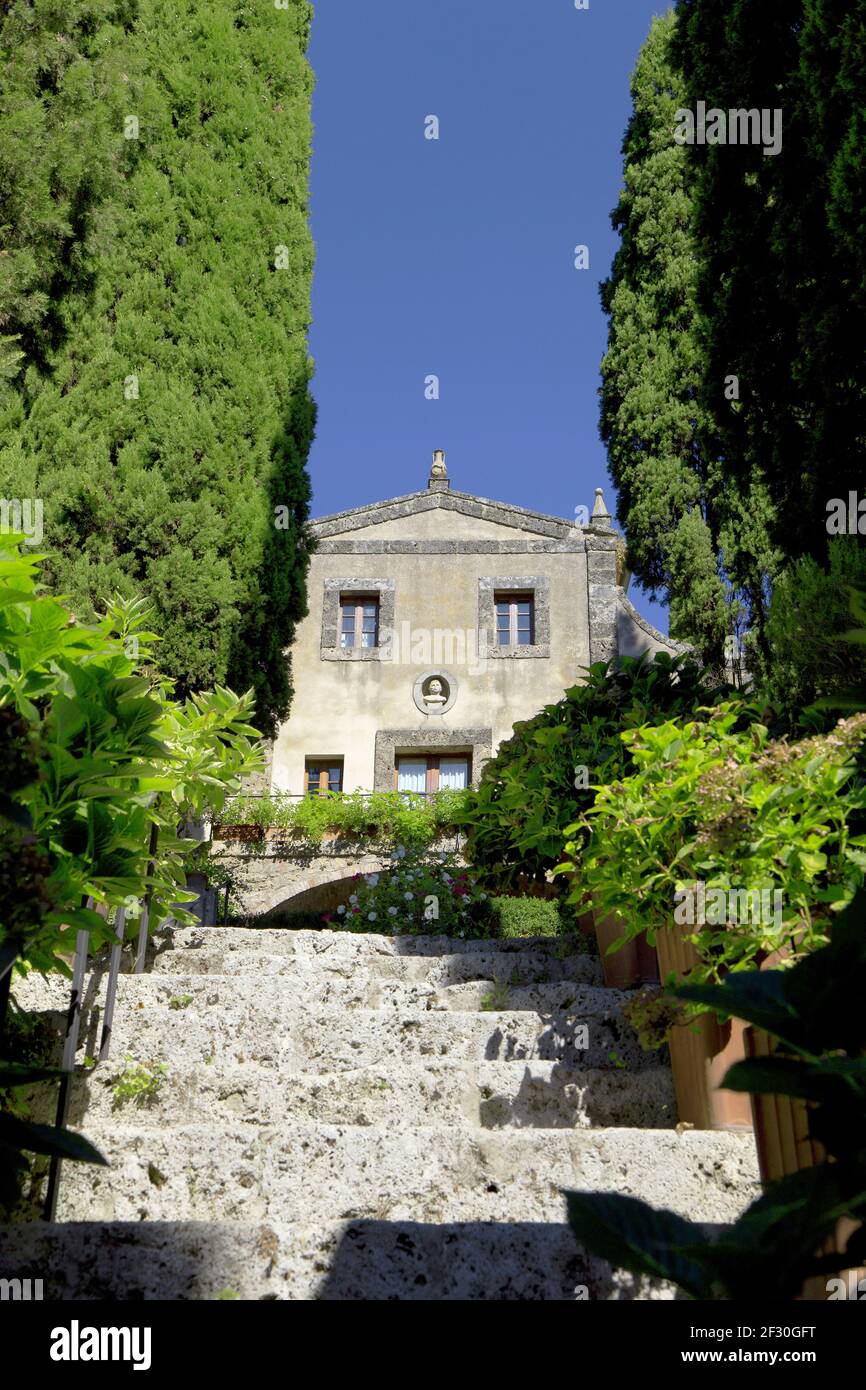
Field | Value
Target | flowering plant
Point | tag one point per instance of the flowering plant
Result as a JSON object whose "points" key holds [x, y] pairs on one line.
{"points": [[417, 895], [716, 808]]}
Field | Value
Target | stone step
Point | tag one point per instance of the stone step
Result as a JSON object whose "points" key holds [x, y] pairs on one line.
{"points": [[297, 1038], [309, 986], [320, 1173], [527, 968], [337, 1262], [492, 1095], [440, 959]]}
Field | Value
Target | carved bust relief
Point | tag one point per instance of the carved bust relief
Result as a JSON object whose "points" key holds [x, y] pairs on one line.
{"points": [[434, 692]]}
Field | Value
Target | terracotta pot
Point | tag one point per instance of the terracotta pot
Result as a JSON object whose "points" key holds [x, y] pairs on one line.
{"points": [[633, 964], [702, 1050], [785, 1146]]}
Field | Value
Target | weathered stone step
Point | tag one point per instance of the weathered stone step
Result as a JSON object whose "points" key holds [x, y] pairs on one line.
{"points": [[308, 986], [318, 943], [320, 1173], [342, 1261], [441, 959], [541, 1095], [528, 968], [324, 1039]]}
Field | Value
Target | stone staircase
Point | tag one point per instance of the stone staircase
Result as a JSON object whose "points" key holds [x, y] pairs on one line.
{"points": [[364, 1117]]}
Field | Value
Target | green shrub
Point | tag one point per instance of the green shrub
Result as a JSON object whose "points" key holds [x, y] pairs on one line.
{"points": [[809, 614], [714, 804], [544, 777], [104, 754], [522, 917], [849, 698]]}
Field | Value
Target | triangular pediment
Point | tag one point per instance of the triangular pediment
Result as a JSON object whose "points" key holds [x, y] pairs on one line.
{"points": [[434, 511]]}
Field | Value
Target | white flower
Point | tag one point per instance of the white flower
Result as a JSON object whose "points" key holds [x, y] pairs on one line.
{"points": [[354, 899], [371, 916], [341, 909], [392, 912], [372, 879], [408, 897], [483, 898]]}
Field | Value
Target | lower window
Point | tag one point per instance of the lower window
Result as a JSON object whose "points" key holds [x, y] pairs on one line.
{"points": [[323, 775], [432, 772]]}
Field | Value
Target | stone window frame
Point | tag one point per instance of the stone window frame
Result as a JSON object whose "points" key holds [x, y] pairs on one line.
{"points": [[536, 584], [323, 766], [330, 649], [391, 743]]}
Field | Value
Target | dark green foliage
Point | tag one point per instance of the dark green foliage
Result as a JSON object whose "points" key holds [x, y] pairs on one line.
{"points": [[704, 550], [815, 1012], [26, 1040], [62, 102], [809, 615], [782, 250], [161, 256], [851, 697], [516, 819]]}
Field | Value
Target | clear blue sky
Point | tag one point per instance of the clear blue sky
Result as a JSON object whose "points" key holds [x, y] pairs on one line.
{"points": [[456, 257]]}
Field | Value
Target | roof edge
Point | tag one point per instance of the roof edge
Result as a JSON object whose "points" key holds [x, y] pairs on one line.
{"points": [[434, 499]]}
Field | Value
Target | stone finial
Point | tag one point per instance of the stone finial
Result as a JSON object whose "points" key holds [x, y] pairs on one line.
{"points": [[438, 472], [600, 514]]}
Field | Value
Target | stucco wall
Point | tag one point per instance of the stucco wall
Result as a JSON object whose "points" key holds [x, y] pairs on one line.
{"points": [[635, 635], [340, 704]]}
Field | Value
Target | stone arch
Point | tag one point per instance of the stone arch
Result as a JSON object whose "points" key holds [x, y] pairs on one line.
{"points": [[276, 874], [276, 879], [321, 897]]}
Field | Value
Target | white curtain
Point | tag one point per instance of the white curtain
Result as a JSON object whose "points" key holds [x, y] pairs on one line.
{"points": [[412, 775], [453, 773]]}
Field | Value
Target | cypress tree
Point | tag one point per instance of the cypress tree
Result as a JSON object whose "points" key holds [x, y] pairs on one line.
{"points": [[164, 415], [689, 537], [782, 256]]}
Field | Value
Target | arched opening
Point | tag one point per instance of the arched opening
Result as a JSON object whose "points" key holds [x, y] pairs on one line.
{"points": [[306, 908]]}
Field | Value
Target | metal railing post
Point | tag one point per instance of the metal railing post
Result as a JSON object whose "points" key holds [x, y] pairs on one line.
{"points": [[70, 1046], [141, 948], [111, 988]]}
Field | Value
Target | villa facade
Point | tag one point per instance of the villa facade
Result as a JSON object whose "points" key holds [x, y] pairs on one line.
{"points": [[436, 621]]}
